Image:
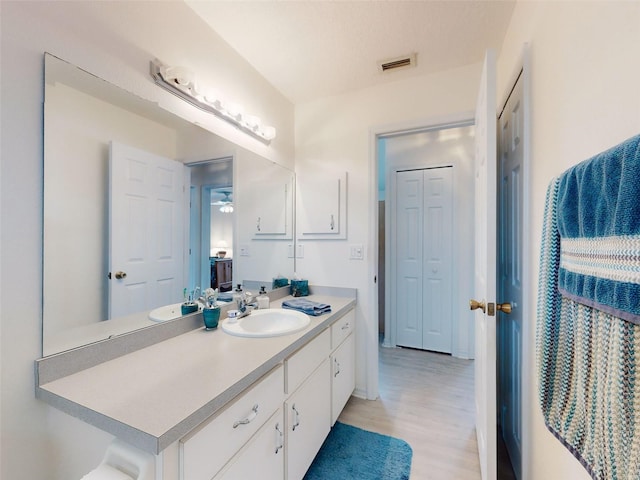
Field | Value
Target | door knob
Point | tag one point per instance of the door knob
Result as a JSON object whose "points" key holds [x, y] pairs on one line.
{"points": [[475, 305], [504, 307], [121, 275]]}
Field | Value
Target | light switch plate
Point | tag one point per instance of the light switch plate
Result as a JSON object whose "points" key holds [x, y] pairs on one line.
{"points": [[244, 250], [300, 252], [356, 252]]}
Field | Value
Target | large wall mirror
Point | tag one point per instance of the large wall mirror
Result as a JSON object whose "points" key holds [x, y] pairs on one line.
{"points": [[105, 228]]}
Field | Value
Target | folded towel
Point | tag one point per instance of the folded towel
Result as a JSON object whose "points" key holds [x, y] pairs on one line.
{"points": [[599, 225], [307, 306]]}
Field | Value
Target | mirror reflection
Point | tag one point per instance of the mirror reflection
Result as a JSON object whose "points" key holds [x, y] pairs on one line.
{"points": [[139, 206], [212, 215]]}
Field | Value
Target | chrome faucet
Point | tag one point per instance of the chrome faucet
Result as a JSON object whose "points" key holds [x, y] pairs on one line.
{"points": [[244, 304]]}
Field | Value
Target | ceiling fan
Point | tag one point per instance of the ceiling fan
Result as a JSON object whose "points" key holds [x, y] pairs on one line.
{"points": [[225, 203]]}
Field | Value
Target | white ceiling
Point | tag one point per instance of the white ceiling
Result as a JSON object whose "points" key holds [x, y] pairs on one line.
{"points": [[311, 49]]}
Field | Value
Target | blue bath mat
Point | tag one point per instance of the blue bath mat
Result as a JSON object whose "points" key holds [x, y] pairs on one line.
{"points": [[353, 453]]}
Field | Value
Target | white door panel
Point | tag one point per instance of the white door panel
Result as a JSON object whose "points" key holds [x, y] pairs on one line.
{"points": [[485, 269]]}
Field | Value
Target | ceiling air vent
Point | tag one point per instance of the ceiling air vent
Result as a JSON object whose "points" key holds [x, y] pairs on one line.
{"points": [[399, 62]]}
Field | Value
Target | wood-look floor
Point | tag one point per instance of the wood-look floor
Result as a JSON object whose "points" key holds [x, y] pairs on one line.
{"points": [[426, 399]]}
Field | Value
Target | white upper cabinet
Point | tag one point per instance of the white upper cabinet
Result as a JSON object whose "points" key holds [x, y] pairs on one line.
{"points": [[269, 195], [321, 205]]}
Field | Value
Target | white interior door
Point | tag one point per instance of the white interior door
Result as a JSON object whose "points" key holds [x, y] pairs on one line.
{"points": [[485, 269], [146, 233]]}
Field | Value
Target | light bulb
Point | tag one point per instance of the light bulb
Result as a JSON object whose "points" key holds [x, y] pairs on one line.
{"points": [[235, 110], [214, 98], [269, 132], [181, 75], [253, 122]]}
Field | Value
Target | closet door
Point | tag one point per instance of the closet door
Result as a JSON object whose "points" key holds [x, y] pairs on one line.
{"points": [[438, 262], [409, 239], [424, 238]]}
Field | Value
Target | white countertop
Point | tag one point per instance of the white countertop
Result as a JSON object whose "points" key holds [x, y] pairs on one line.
{"points": [[154, 396]]}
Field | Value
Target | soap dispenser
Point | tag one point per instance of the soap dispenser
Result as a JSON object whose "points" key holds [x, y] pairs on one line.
{"points": [[263, 299]]}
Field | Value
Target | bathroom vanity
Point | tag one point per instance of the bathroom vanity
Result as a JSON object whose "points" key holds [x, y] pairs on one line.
{"points": [[211, 405]]}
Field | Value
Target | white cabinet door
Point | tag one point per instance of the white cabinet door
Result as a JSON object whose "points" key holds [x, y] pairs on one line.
{"points": [[343, 376], [270, 199], [321, 206], [308, 421], [262, 457]]}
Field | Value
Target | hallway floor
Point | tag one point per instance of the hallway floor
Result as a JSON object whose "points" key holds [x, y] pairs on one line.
{"points": [[426, 399]]}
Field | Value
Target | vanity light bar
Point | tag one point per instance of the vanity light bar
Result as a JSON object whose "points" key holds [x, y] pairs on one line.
{"points": [[182, 83]]}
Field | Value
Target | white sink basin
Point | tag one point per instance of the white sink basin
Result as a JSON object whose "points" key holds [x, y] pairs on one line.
{"points": [[271, 322], [168, 312]]}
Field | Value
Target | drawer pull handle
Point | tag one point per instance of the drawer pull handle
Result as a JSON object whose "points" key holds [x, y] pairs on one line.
{"points": [[249, 419], [279, 438], [296, 417], [337, 364], [345, 326]]}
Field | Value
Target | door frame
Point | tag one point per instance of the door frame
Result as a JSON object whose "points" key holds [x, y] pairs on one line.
{"points": [[522, 63], [522, 67], [376, 132], [461, 343]]}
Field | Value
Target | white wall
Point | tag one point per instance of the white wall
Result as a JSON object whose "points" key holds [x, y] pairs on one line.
{"points": [[585, 98], [221, 232], [337, 133], [116, 41]]}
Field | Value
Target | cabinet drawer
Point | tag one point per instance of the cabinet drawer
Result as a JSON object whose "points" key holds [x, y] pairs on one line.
{"points": [[342, 328], [204, 452], [302, 363], [263, 453]]}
